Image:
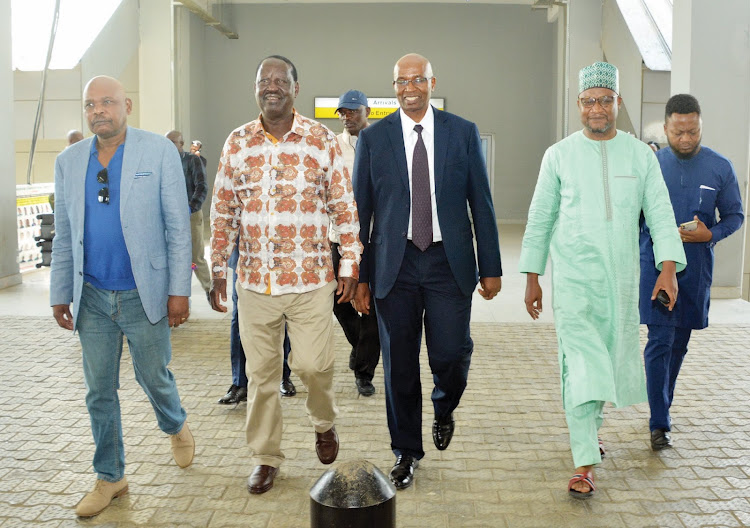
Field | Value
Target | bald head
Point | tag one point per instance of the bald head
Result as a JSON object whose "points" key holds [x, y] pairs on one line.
{"points": [[74, 136], [106, 108], [413, 82], [411, 60], [175, 136], [105, 83]]}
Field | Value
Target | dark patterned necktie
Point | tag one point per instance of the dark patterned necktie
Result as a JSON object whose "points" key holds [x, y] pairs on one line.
{"points": [[421, 202]]}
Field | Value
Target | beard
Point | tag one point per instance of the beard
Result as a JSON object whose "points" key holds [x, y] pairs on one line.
{"points": [[685, 155], [601, 129]]}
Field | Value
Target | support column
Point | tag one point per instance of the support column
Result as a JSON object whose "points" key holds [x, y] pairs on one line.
{"points": [[711, 60], [155, 73], [9, 272], [585, 22]]}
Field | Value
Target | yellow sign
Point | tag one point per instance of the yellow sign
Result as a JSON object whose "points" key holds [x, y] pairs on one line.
{"points": [[32, 200], [325, 107]]}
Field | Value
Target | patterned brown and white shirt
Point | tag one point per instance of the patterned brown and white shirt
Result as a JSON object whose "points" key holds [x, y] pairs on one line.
{"points": [[280, 196]]}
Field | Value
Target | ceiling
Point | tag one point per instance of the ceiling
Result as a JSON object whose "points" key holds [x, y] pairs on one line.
{"points": [[521, 2]]}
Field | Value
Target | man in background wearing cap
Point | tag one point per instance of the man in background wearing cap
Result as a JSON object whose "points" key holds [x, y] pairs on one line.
{"points": [[591, 190], [361, 330]]}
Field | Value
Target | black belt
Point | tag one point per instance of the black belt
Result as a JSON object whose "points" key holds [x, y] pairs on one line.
{"points": [[432, 244]]}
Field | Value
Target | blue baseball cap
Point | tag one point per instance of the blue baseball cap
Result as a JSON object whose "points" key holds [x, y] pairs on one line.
{"points": [[352, 100]]}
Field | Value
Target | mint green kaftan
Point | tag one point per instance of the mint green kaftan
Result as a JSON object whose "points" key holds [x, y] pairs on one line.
{"points": [[585, 214]]}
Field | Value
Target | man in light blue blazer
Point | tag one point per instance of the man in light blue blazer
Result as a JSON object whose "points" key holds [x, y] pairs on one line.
{"points": [[417, 172], [121, 255]]}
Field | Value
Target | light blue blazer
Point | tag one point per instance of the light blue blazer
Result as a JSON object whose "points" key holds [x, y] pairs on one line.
{"points": [[155, 222]]}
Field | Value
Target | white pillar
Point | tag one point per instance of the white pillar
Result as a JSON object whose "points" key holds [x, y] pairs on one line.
{"points": [[711, 60], [9, 272], [585, 21], [155, 59], [182, 73]]}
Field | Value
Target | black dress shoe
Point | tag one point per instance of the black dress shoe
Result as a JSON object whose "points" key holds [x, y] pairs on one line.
{"points": [[261, 479], [402, 474], [442, 431], [287, 388], [660, 439], [234, 395], [364, 386]]}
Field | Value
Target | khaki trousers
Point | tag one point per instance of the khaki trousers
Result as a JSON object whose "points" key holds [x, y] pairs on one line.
{"points": [[310, 325], [196, 234]]}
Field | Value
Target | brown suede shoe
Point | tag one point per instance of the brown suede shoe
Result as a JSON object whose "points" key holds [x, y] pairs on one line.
{"points": [[327, 445], [95, 501], [183, 446], [261, 479]]}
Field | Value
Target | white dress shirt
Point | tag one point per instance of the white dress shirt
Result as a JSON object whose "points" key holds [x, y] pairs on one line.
{"points": [[410, 141]]}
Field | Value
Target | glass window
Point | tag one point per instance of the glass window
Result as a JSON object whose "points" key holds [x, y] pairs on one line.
{"points": [[79, 24]]}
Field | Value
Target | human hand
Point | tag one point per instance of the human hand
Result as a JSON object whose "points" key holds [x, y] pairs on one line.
{"points": [[178, 310], [667, 281], [700, 234], [490, 286], [533, 296], [346, 289], [218, 294], [61, 313], [362, 298]]}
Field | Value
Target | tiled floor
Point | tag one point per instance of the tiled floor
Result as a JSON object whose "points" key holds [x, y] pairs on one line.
{"points": [[507, 466]]}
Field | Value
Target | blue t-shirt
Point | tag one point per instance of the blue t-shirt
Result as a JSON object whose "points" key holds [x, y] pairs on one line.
{"points": [[106, 262]]}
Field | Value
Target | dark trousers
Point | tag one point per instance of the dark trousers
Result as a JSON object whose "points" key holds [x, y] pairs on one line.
{"points": [[665, 350], [425, 291], [360, 330], [237, 353]]}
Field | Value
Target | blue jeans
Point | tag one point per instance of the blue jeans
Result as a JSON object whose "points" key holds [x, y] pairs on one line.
{"points": [[103, 318], [237, 353], [665, 350]]}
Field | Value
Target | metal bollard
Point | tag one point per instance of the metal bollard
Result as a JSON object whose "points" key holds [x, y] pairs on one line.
{"points": [[353, 494]]}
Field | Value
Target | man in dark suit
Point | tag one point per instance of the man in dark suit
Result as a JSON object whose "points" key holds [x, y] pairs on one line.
{"points": [[415, 171]]}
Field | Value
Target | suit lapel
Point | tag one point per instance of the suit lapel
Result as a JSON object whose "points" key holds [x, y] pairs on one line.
{"points": [[442, 131], [131, 157], [396, 136]]}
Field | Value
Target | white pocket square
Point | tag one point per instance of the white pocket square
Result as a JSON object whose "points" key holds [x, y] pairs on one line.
{"points": [[142, 174]]}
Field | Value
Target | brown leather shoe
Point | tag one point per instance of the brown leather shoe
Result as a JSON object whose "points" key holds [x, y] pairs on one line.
{"points": [[327, 445], [261, 479]]}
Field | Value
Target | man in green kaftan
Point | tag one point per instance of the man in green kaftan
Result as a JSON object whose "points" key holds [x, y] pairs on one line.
{"points": [[591, 190]]}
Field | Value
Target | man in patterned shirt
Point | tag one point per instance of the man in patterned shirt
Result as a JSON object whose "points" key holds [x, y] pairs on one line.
{"points": [[281, 180]]}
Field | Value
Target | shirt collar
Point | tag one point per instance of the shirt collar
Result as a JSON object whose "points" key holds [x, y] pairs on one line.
{"points": [[300, 126], [95, 151], [427, 122]]}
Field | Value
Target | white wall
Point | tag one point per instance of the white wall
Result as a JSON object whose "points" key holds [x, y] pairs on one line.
{"points": [[620, 49], [711, 60], [112, 53], [9, 274], [494, 65]]}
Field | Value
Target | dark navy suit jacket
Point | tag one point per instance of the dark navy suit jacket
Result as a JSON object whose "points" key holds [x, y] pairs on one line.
{"points": [[381, 188]]}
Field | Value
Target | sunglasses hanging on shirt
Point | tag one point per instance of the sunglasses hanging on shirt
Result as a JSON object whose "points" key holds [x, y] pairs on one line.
{"points": [[103, 177]]}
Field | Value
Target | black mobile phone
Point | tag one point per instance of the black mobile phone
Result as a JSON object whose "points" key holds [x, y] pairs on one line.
{"points": [[662, 297]]}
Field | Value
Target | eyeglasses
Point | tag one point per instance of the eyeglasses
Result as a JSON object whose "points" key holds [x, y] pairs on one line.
{"points": [[281, 83], [103, 177], [605, 101], [416, 81]]}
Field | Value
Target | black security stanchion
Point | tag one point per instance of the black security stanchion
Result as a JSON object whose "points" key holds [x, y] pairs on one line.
{"points": [[44, 240], [353, 494]]}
